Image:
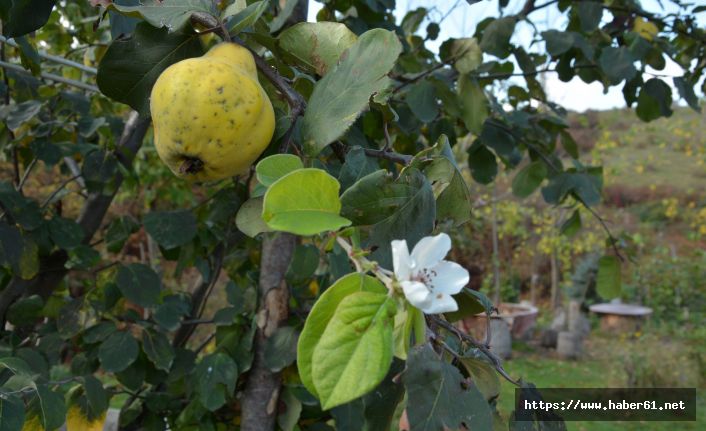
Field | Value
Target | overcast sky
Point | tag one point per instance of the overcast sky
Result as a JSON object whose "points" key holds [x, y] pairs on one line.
{"points": [[463, 18]]}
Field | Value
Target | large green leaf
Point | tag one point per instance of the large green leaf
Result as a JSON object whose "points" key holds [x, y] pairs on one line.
{"points": [[421, 99], [483, 374], [355, 350], [316, 46], [171, 228], [608, 282], [435, 389], [341, 95], [585, 186], [557, 42], [590, 14], [246, 17], [118, 351], [356, 166], [172, 14], [482, 163], [272, 168], [20, 17], [465, 54], [131, 65], [304, 202], [321, 314], [139, 283], [281, 348]]}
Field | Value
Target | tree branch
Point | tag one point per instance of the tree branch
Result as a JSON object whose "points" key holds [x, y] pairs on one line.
{"points": [[261, 395]]}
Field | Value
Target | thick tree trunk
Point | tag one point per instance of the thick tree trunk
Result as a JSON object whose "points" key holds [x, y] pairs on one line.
{"points": [[261, 395]]}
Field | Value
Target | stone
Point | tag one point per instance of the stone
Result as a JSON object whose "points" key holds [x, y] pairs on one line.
{"points": [[548, 338], [500, 338], [569, 345]]}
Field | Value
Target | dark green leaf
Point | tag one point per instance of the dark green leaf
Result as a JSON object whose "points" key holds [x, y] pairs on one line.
{"points": [[484, 376], [281, 348], [215, 377], [357, 166], [557, 42], [28, 55], [50, 409], [25, 310], [654, 101], [168, 315], [341, 95], [528, 179], [24, 211], [96, 396], [585, 186], [118, 351], [158, 349], [421, 99], [590, 14], [65, 233], [496, 36], [617, 64], [12, 413], [686, 91], [131, 65], [119, 230], [139, 284], [474, 104], [304, 264], [572, 224], [496, 135], [171, 228], [20, 17], [482, 162], [434, 388], [246, 17]]}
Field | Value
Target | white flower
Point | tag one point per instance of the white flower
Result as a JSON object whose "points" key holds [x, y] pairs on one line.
{"points": [[427, 280]]}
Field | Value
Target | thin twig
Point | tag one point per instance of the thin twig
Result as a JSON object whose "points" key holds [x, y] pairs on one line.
{"points": [[66, 182], [51, 77], [26, 173], [402, 159]]}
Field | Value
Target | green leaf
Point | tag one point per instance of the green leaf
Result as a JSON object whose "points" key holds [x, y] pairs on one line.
{"points": [[355, 351], [158, 349], [304, 202], [434, 388], [529, 179], [119, 230], [397, 209], [608, 282], [171, 228], [617, 64], [421, 99], [215, 377], [654, 101], [65, 233], [496, 36], [474, 104], [246, 17], [482, 163], [168, 315], [96, 396], [304, 264], [321, 315], [249, 218], [686, 91], [131, 65], [465, 54], [20, 17], [470, 302], [16, 365], [274, 167], [172, 14], [496, 135], [28, 265], [316, 46], [118, 351], [590, 14], [572, 224], [51, 409], [356, 166], [340, 96], [25, 211], [12, 413], [557, 42], [584, 186], [28, 55], [281, 348], [139, 284], [483, 374], [25, 310]]}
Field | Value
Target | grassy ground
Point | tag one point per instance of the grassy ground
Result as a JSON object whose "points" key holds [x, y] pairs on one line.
{"points": [[603, 366]]}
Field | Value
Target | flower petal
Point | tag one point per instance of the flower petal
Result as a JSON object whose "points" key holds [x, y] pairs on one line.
{"points": [[441, 303], [401, 262], [447, 277], [417, 294], [430, 250]]}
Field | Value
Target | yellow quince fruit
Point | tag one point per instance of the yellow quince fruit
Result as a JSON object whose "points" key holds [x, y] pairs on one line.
{"points": [[646, 29], [76, 421], [212, 119]]}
